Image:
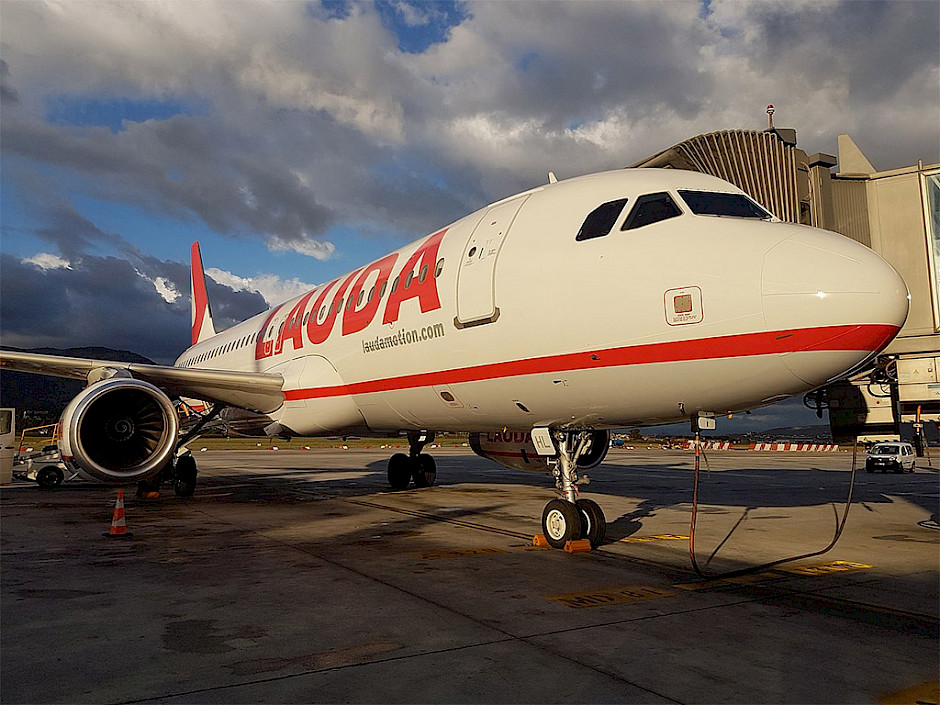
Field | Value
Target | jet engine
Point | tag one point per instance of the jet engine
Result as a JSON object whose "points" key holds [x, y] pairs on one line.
{"points": [[120, 430], [514, 449]]}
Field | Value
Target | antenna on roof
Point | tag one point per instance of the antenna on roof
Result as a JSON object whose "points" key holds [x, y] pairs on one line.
{"points": [[552, 178], [770, 115]]}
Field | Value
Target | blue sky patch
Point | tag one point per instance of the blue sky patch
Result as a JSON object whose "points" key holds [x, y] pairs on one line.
{"points": [[85, 111], [419, 24], [335, 9]]}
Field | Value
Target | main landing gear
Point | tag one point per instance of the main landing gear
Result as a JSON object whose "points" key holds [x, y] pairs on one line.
{"points": [[181, 473], [417, 466], [569, 518]]}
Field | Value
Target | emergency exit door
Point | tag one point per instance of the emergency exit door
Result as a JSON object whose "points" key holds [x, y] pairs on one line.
{"points": [[476, 279]]}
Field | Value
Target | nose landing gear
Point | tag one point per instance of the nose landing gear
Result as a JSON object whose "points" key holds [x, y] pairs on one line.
{"points": [[417, 466], [569, 518]]}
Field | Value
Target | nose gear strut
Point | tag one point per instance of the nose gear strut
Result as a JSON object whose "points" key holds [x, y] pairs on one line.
{"points": [[569, 518]]}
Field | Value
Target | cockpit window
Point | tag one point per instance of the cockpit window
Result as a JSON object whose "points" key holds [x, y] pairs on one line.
{"points": [[601, 220], [733, 205], [651, 208]]}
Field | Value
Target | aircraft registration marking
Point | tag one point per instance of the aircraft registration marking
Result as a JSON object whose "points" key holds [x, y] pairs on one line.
{"points": [[827, 568], [655, 537], [462, 552], [610, 596]]}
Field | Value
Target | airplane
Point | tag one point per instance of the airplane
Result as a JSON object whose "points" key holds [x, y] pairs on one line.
{"points": [[536, 324]]}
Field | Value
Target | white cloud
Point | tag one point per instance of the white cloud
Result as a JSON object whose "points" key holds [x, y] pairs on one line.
{"points": [[166, 289], [272, 288], [318, 249], [46, 261]]}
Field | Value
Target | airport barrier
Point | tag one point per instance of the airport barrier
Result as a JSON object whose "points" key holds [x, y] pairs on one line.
{"points": [[710, 445], [806, 447]]}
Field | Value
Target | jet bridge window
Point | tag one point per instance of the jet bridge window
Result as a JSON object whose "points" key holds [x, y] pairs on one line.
{"points": [[651, 208], [600, 221], [733, 205]]}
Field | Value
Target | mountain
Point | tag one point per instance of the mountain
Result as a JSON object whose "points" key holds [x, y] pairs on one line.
{"points": [[818, 433], [38, 393]]}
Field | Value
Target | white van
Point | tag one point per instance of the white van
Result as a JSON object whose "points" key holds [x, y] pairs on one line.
{"points": [[892, 455]]}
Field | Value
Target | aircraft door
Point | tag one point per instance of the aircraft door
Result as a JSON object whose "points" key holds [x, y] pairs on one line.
{"points": [[7, 442], [476, 278]]}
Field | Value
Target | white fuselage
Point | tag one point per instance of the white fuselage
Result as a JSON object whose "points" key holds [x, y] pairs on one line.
{"points": [[504, 319]]}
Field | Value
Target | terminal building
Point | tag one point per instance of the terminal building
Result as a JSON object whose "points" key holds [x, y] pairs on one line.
{"points": [[896, 213]]}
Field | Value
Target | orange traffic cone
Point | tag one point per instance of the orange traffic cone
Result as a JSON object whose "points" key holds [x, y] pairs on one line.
{"points": [[118, 523]]}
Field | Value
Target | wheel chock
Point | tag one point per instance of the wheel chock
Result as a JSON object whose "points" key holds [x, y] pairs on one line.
{"points": [[540, 541], [579, 546]]}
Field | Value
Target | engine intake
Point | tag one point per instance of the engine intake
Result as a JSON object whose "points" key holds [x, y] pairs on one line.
{"points": [[119, 430]]}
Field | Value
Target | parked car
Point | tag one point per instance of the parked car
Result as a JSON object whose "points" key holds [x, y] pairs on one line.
{"points": [[895, 456]]}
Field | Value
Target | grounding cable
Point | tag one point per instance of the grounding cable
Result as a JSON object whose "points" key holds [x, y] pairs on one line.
{"points": [[840, 525]]}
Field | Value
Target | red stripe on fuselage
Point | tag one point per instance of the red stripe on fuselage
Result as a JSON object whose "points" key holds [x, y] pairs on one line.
{"points": [[831, 338]]}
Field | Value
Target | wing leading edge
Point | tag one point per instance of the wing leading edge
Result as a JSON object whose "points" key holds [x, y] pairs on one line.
{"points": [[254, 391]]}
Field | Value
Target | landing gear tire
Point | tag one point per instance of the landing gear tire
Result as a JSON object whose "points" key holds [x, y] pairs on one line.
{"points": [[593, 522], [561, 522], [49, 477], [425, 470], [399, 471], [186, 471]]}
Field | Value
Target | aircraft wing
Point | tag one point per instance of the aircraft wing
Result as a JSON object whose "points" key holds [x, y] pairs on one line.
{"points": [[255, 391]]}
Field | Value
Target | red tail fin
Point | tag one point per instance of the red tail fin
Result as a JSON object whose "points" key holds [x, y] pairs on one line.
{"points": [[201, 311]]}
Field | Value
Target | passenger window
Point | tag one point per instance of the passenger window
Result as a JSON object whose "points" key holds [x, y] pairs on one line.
{"points": [[651, 208], [601, 220], [439, 268]]}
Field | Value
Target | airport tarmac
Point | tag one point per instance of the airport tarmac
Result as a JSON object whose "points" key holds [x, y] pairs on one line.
{"points": [[297, 576]]}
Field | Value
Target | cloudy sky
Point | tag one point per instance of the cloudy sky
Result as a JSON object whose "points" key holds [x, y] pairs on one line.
{"points": [[297, 141]]}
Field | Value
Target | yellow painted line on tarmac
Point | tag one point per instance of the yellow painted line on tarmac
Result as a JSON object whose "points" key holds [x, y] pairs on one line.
{"points": [[462, 552], [653, 538], [828, 568], [609, 596], [922, 693]]}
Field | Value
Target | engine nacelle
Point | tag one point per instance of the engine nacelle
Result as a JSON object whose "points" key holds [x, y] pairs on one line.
{"points": [[515, 449], [119, 430]]}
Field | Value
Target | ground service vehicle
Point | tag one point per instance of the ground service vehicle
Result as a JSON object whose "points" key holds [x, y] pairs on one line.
{"points": [[898, 457]]}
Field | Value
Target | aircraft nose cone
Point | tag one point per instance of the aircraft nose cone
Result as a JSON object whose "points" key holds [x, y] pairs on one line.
{"points": [[841, 302]]}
